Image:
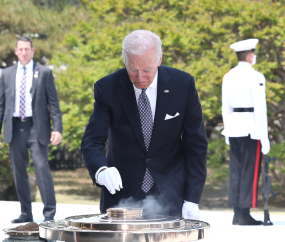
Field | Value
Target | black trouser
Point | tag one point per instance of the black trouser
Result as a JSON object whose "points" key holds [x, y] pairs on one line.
{"points": [[245, 161], [24, 138]]}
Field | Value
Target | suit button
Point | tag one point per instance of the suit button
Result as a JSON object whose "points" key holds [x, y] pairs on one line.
{"points": [[147, 160]]}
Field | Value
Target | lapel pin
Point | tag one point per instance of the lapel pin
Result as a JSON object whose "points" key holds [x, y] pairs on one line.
{"points": [[36, 74], [166, 91]]}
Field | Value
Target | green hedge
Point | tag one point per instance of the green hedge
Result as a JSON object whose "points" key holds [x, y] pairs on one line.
{"points": [[6, 173], [196, 36]]}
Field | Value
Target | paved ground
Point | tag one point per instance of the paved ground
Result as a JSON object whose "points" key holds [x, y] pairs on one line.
{"points": [[220, 221]]}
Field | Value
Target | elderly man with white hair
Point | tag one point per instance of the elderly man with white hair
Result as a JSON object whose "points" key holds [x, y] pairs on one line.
{"points": [[152, 118]]}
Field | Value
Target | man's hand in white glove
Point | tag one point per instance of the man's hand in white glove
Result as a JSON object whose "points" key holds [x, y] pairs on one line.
{"points": [[190, 210], [111, 179]]}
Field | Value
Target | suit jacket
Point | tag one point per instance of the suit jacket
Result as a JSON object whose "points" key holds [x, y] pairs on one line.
{"points": [[45, 105], [176, 157]]}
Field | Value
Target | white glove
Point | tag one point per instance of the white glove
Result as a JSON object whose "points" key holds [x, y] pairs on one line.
{"points": [[190, 210], [227, 140], [265, 146], [111, 179]]}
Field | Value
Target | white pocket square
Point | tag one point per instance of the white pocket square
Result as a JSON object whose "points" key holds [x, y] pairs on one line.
{"points": [[167, 116]]}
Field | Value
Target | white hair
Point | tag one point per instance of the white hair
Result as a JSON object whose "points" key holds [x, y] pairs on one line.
{"points": [[139, 42]]}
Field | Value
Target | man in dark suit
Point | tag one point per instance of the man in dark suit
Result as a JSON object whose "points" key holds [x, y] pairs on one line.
{"points": [[28, 100], [152, 118]]}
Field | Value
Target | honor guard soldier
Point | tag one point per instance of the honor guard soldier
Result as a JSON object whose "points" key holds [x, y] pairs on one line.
{"points": [[245, 129]]}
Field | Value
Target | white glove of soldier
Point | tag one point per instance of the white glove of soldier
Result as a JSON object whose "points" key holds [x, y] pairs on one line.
{"points": [[227, 140], [111, 179], [190, 210], [265, 146]]}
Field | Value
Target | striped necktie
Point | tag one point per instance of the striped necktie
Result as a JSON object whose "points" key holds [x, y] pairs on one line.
{"points": [[23, 95], [147, 124]]}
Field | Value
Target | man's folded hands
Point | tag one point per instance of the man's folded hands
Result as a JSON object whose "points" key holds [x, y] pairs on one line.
{"points": [[111, 179]]}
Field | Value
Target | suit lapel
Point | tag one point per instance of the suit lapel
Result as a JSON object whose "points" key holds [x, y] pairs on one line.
{"points": [[163, 101], [13, 84], [127, 98], [35, 78]]}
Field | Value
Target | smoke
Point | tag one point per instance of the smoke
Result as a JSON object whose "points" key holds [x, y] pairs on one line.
{"points": [[150, 205]]}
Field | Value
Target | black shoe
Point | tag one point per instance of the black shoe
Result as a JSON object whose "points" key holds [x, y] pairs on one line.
{"points": [[246, 219], [236, 219], [236, 215], [22, 219], [48, 219]]}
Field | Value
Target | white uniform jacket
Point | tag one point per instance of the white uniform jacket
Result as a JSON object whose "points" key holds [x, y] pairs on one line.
{"points": [[244, 87]]}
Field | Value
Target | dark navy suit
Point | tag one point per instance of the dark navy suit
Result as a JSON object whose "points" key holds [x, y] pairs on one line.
{"points": [[176, 157]]}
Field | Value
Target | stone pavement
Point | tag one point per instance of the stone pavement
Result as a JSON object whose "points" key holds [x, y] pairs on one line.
{"points": [[223, 231], [220, 221]]}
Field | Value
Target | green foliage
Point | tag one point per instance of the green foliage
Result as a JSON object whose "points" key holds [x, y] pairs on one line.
{"points": [[58, 5], [46, 26], [196, 36], [278, 151], [218, 157], [278, 167], [6, 173], [7, 191]]}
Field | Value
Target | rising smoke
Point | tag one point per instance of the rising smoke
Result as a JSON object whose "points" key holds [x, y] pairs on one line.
{"points": [[149, 205]]}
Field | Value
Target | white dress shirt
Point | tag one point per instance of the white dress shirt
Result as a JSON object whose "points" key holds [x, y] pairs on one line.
{"points": [[151, 93], [28, 96], [244, 87]]}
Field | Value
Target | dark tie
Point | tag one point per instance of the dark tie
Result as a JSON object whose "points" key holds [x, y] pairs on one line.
{"points": [[146, 123], [23, 95]]}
